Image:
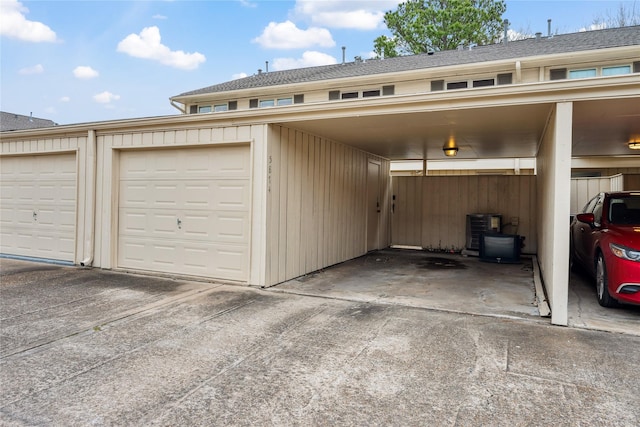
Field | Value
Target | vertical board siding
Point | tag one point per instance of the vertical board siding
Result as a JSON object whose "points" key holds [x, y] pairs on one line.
{"points": [[316, 203], [431, 211], [42, 146], [584, 189], [632, 182]]}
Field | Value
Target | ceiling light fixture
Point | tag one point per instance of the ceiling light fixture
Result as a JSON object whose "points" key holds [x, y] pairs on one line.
{"points": [[634, 145], [450, 148]]}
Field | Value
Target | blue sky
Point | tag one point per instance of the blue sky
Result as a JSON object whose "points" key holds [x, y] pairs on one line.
{"points": [[84, 61]]}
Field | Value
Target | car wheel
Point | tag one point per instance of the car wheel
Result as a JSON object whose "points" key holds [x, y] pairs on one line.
{"points": [[604, 297]]}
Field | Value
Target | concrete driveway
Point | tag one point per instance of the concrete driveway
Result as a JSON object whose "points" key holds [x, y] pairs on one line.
{"points": [[90, 347], [457, 284]]}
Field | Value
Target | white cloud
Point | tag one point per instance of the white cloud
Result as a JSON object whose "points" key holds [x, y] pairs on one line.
{"points": [[36, 69], [592, 27], [158, 16], [238, 76], [247, 3], [16, 25], [65, 99], [105, 97], [147, 45], [286, 35], [85, 72], [359, 15], [309, 59]]}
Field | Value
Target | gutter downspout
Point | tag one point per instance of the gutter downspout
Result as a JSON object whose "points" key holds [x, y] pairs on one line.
{"points": [[90, 192], [177, 107]]}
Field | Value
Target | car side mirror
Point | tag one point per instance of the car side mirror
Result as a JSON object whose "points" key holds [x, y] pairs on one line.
{"points": [[586, 217]]}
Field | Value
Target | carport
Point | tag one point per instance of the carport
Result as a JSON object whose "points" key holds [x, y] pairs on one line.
{"points": [[591, 122]]}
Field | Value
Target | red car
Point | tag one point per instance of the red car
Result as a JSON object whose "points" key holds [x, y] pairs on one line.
{"points": [[605, 240]]}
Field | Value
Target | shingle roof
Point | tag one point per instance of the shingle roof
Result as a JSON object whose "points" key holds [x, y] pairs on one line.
{"points": [[573, 42], [11, 121]]}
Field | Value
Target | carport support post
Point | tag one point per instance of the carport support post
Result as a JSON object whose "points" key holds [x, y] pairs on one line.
{"points": [[554, 186]]}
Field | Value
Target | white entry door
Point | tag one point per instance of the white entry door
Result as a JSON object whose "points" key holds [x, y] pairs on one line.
{"points": [[186, 211], [38, 206]]}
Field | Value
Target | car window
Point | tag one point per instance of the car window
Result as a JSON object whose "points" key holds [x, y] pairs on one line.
{"points": [[597, 213], [625, 210], [588, 208]]}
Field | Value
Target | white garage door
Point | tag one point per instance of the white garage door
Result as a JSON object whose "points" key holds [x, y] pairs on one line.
{"points": [[185, 211], [38, 206]]}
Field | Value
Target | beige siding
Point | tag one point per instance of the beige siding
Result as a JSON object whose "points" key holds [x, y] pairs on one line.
{"points": [[41, 146], [583, 190], [632, 182], [430, 212], [553, 186], [316, 203]]}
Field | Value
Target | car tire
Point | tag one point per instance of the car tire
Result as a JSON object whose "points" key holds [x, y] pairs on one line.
{"points": [[604, 297]]}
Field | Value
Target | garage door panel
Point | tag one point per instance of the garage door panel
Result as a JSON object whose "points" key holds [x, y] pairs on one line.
{"points": [[24, 242], [212, 260], [38, 192], [202, 194], [44, 167], [38, 215], [193, 163], [138, 222], [61, 218], [232, 195], [228, 227], [186, 211]]}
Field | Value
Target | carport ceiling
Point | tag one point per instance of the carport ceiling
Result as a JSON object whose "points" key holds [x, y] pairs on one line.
{"points": [[600, 128], [603, 128]]}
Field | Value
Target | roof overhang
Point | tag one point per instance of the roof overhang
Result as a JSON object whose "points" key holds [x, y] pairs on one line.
{"points": [[497, 122], [501, 66]]}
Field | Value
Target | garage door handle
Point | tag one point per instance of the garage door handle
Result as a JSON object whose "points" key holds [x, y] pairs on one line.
{"points": [[35, 215], [179, 223]]}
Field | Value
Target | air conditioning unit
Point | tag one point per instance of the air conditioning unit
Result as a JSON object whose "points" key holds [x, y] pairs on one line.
{"points": [[478, 224]]}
